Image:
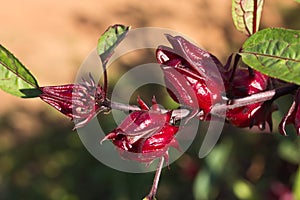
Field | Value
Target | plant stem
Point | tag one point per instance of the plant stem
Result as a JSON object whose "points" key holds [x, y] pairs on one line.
{"points": [[254, 17], [255, 98], [285, 90], [123, 107], [105, 84], [176, 114], [151, 195], [235, 65], [217, 109]]}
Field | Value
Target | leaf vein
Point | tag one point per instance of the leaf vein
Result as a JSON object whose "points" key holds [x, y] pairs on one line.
{"points": [[272, 56], [15, 72]]}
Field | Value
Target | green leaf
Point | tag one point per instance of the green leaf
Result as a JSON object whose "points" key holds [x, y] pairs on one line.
{"points": [[297, 1], [243, 189], [14, 76], [246, 15], [202, 185], [274, 52], [289, 151], [297, 185], [109, 40], [218, 157]]}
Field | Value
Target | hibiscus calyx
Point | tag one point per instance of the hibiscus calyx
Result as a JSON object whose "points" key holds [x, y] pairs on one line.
{"points": [[146, 134], [247, 82], [192, 75], [80, 102]]}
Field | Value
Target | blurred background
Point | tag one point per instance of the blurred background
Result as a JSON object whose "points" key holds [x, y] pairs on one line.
{"points": [[42, 158]]}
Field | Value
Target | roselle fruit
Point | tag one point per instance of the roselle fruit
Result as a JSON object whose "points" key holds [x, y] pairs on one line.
{"points": [[80, 102], [245, 83], [192, 75], [144, 135], [195, 78]]}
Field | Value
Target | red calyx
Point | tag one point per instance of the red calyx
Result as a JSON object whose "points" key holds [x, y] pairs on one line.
{"points": [[80, 102], [144, 135], [197, 83], [246, 83], [195, 78]]}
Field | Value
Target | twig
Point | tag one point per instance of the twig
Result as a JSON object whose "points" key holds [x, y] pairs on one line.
{"points": [[255, 98], [176, 114], [151, 195], [218, 109], [123, 107]]}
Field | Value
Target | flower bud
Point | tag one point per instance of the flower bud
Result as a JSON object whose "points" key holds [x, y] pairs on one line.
{"points": [[81, 102]]}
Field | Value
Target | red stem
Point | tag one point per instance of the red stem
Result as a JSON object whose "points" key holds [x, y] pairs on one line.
{"points": [[151, 195], [219, 108], [105, 85], [254, 16], [255, 98]]}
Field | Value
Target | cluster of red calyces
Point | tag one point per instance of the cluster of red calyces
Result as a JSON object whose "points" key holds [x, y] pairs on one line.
{"points": [[199, 75], [145, 134], [195, 79]]}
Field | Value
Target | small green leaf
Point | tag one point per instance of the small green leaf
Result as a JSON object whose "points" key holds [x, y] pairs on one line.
{"points": [[14, 76], [109, 40], [297, 1], [246, 15], [274, 52], [31, 93]]}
